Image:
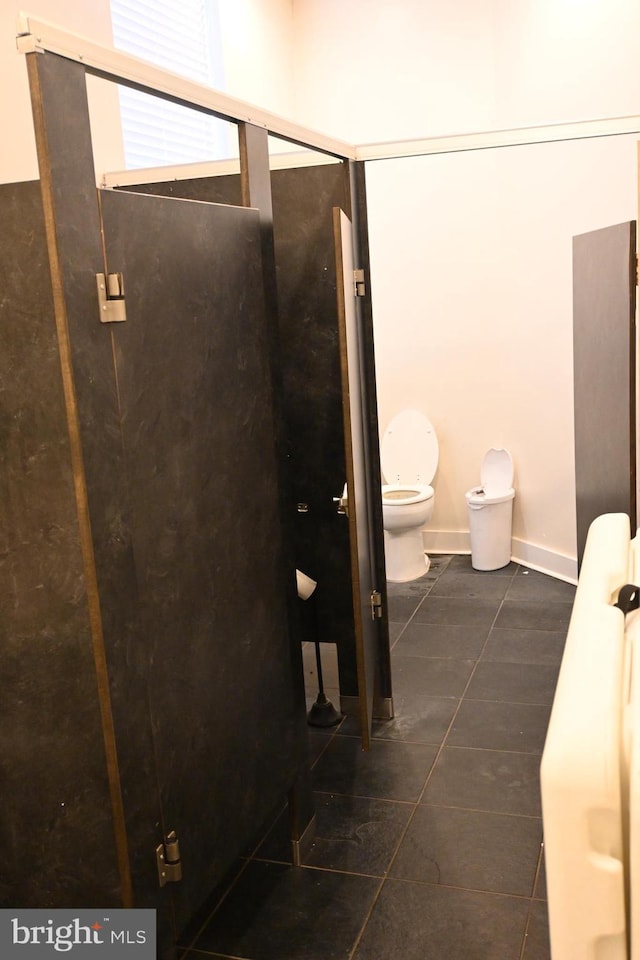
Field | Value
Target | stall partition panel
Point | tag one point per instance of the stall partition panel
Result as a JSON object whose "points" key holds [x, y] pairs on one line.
{"points": [[358, 501], [310, 358], [56, 824], [194, 388], [303, 200], [604, 374]]}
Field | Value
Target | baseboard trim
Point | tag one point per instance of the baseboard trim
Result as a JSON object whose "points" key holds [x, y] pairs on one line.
{"points": [[535, 557], [530, 555], [446, 541]]}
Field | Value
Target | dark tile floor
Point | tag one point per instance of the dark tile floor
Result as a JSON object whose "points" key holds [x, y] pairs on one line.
{"points": [[428, 847]]}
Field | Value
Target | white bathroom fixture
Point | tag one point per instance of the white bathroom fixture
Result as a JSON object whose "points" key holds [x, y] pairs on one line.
{"points": [[491, 511], [409, 460]]}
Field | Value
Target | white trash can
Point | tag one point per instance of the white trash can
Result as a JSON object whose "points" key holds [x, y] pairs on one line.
{"points": [[490, 508], [490, 518]]}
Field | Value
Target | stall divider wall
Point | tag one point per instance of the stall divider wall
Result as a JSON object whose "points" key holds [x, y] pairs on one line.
{"points": [[155, 429], [162, 699], [309, 368]]}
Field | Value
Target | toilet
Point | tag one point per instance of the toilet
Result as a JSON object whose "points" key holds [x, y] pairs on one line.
{"points": [[409, 460]]}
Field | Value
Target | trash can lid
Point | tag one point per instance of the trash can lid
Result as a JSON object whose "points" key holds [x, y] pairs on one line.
{"points": [[496, 472], [477, 498]]}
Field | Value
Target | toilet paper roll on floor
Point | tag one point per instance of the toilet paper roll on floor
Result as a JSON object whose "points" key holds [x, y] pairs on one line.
{"points": [[305, 585]]}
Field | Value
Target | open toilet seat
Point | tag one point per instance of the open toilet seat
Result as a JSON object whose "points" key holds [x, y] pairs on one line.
{"points": [[409, 452], [400, 495]]}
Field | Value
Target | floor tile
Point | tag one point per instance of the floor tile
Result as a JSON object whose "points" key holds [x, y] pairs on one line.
{"points": [[454, 583], [514, 682], [395, 629], [417, 718], [318, 741], [412, 921], [415, 589], [444, 641], [402, 608], [532, 614], [492, 780], [278, 912], [422, 677], [531, 585], [471, 849], [388, 771], [475, 656], [537, 945], [473, 613], [525, 646], [353, 834], [521, 727]]}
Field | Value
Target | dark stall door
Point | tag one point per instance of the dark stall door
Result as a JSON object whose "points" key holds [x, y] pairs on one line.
{"points": [[359, 474], [604, 374], [227, 714]]}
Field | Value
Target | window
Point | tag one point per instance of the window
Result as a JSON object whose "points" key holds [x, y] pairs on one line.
{"points": [[184, 38]]}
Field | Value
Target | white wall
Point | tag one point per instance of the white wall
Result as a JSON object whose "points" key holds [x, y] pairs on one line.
{"points": [[471, 252], [378, 70], [18, 159], [257, 48], [560, 60], [472, 298], [394, 69]]}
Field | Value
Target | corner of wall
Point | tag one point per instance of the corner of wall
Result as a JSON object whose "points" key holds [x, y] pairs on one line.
{"points": [[530, 555]]}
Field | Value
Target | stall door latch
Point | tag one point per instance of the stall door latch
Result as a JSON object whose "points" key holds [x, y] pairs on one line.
{"points": [[168, 860], [358, 283], [376, 605], [111, 297]]}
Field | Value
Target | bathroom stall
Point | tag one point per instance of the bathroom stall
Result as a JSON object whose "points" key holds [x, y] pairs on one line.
{"points": [[154, 715], [153, 719], [328, 401]]}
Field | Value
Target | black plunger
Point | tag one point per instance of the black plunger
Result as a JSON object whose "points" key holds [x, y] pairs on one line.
{"points": [[322, 713]]}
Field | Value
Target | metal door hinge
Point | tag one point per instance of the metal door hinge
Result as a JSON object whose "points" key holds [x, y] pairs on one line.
{"points": [[376, 605], [358, 283], [111, 297], [168, 860]]}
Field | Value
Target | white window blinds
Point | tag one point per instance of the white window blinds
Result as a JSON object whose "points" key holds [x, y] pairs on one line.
{"points": [[184, 38]]}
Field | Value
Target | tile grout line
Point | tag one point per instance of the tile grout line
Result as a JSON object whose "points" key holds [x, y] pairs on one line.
{"points": [[466, 687], [418, 605], [433, 763], [532, 900], [438, 754], [414, 805]]}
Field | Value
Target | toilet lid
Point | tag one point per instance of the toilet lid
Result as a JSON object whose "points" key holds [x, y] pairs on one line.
{"points": [[496, 472], [409, 449]]}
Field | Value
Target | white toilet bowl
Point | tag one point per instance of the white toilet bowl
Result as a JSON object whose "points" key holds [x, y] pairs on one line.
{"points": [[409, 458]]}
